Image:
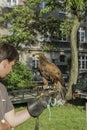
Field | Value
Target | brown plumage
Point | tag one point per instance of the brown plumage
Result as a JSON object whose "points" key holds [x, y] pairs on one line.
{"points": [[49, 71]]}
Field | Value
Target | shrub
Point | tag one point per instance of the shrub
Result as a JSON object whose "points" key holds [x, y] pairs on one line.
{"points": [[19, 77]]}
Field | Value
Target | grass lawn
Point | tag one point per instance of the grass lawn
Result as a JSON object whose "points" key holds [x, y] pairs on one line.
{"points": [[67, 117]]}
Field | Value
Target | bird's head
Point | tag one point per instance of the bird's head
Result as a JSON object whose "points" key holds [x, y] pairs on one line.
{"points": [[39, 56]]}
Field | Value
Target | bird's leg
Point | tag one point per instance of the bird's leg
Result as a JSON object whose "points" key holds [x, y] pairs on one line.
{"points": [[45, 83], [45, 89]]}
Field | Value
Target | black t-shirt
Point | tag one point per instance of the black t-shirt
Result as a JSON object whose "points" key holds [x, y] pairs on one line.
{"points": [[5, 103]]}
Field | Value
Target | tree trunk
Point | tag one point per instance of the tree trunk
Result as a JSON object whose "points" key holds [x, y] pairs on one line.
{"points": [[74, 58]]}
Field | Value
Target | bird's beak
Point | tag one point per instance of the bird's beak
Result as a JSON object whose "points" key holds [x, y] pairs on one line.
{"points": [[37, 56]]}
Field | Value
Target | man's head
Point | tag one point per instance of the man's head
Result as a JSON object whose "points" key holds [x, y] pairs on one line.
{"points": [[8, 56]]}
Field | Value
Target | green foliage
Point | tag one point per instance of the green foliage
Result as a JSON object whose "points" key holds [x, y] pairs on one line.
{"points": [[50, 48], [76, 4], [66, 26], [19, 77], [26, 22], [20, 28], [77, 8]]}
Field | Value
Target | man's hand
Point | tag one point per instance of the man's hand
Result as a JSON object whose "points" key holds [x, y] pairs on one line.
{"points": [[4, 126]]}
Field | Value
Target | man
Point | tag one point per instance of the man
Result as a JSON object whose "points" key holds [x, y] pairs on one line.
{"points": [[8, 117]]}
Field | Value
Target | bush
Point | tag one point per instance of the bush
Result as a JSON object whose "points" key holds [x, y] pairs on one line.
{"points": [[19, 77]]}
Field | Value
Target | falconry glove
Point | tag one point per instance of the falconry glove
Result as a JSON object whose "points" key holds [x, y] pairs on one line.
{"points": [[37, 105]]}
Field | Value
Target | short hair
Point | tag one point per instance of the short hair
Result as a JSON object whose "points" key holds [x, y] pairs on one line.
{"points": [[9, 52]]}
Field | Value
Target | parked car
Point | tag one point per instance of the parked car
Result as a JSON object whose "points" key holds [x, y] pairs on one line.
{"points": [[79, 90]]}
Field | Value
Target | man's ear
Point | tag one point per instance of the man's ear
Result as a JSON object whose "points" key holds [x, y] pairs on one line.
{"points": [[4, 63]]}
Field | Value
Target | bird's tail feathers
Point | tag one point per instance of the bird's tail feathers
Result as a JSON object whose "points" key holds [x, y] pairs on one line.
{"points": [[60, 88]]}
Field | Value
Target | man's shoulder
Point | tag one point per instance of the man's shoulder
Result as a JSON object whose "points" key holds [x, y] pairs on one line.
{"points": [[2, 86]]}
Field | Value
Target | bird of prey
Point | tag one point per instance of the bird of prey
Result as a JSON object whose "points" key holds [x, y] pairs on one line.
{"points": [[49, 72]]}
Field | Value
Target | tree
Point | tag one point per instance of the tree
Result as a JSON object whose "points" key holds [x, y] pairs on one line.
{"points": [[26, 23], [76, 13], [19, 29], [77, 10]]}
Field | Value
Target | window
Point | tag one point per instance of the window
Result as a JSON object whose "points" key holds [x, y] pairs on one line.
{"points": [[12, 2], [42, 5], [62, 58], [55, 61], [81, 34], [9, 29], [82, 62], [34, 63]]}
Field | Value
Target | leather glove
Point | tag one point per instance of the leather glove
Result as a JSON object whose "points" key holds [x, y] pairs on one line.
{"points": [[36, 106]]}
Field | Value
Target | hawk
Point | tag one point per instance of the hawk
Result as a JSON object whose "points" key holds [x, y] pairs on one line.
{"points": [[49, 72]]}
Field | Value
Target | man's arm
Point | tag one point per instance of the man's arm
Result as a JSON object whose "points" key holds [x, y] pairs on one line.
{"points": [[34, 108], [17, 118]]}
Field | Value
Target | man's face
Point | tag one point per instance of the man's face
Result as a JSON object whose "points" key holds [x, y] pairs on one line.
{"points": [[6, 68]]}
